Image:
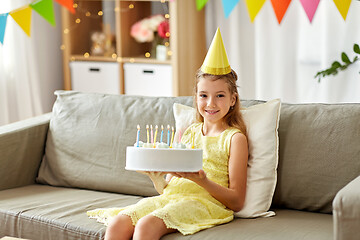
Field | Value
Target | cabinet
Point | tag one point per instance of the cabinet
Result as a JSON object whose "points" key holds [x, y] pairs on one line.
{"points": [[186, 50]]}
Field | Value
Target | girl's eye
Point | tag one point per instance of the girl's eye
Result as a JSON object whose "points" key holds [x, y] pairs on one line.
{"points": [[202, 95], [220, 95]]}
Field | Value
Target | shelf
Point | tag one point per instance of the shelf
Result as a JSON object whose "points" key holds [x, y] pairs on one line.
{"points": [[115, 18], [92, 58], [144, 60]]}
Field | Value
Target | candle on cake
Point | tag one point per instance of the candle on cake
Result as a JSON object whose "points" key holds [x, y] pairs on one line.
{"points": [[137, 136], [147, 133], [162, 133], [168, 135], [172, 137], [156, 130], [152, 134]]}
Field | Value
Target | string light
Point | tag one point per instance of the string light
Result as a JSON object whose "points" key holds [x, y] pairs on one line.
{"points": [[88, 14]]}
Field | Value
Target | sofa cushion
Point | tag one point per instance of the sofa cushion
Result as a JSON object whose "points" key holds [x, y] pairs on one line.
{"points": [[319, 154], [47, 213], [88, 136]]}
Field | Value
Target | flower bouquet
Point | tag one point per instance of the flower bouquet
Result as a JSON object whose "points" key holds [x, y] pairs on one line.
{"points": [[153, 29]]}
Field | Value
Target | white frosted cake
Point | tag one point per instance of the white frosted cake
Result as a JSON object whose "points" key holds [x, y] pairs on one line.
{"points": [[163, 159]]}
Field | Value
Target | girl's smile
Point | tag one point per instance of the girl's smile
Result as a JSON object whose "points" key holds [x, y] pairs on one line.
{"points": [[214, 99]]}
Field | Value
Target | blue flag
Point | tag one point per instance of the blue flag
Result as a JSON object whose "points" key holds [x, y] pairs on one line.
{"points": [[228, 6], [3, 18]]}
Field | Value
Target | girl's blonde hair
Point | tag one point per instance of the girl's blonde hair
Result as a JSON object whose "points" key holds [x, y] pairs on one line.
{"points": [[234, 117]]}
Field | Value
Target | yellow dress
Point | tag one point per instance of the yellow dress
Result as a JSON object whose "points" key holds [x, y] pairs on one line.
{"points": [[184, 205]]}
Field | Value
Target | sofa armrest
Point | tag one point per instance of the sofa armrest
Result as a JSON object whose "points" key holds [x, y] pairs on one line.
{"points": [[346, 211], [22, 146]]}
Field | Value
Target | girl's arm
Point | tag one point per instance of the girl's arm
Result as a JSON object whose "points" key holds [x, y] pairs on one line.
{"points": [[234, 196]]}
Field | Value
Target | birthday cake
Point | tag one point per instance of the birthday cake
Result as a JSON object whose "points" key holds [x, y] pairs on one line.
{"points": [[163, 157]]}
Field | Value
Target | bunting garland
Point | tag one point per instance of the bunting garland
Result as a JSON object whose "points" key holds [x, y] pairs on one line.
{"points": [[45, 8], [228, 6], [22, 15], [279, 6], [343, 7], [310, 7], [254, 7], [3, 18], [200, 4]]}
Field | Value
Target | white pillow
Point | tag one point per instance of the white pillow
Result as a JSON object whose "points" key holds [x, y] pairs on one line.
{"points": [[262, 122]]}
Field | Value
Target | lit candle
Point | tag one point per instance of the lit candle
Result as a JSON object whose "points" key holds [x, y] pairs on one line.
{"points": [[168, 136], [172, 137], [147, 132], [138, 134], [162, 133], [156, 130], [152, 134]]}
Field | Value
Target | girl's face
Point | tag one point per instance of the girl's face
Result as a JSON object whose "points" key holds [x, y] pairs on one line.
{"points": [[213, 99]]}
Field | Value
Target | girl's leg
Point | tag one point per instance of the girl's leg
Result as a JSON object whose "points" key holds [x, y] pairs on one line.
{"points": [[151, 227], [120, 227]]}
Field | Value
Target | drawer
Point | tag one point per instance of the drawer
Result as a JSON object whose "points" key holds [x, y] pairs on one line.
{"points": [[101, 77], [148, 79]]}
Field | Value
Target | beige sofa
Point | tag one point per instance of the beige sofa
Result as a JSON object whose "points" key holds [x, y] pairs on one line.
{"points": [[47, 184]]}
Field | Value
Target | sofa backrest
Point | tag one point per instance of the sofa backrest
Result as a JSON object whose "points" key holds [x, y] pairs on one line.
{"points": [[319, 149], [88, 136], [319, 153]]}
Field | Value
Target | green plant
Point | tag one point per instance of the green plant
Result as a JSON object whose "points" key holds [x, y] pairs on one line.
{"points": [[337, 66]]}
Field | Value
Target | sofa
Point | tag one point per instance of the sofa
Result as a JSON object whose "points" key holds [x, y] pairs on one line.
{"points": [[57, 166]]}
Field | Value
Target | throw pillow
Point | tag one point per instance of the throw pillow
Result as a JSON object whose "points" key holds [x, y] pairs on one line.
{"points": [[262, 121]]}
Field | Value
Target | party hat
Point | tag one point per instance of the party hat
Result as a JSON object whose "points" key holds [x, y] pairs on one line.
{"points": [[216, 61]]}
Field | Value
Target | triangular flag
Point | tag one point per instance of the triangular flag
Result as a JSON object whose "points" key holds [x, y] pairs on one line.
{"points": [[23, 18], [254, 7], [69, 4], [200, 4], [310, 7], [280, 7], [228, 6], [46, 9], [3, 18], [343, 7]]}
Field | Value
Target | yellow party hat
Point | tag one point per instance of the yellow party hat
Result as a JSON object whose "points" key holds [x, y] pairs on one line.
{"points": [[216, 61]]}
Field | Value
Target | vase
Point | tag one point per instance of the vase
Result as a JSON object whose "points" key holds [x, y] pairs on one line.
{"points": [[161, 52]]}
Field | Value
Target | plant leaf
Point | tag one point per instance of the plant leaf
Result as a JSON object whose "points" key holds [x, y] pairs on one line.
{"points": [[345, 58], [356, 48], [335, 64]]}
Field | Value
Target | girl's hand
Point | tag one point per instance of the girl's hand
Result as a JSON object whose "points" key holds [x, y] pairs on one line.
{"points": [[158, 180], [196, 177]]}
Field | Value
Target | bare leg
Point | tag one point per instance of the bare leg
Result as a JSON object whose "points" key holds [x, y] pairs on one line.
{"points": [[120, 228], [151, 227]]}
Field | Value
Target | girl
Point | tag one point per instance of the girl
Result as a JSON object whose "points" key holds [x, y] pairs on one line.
{"points": [[190, 202]]}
